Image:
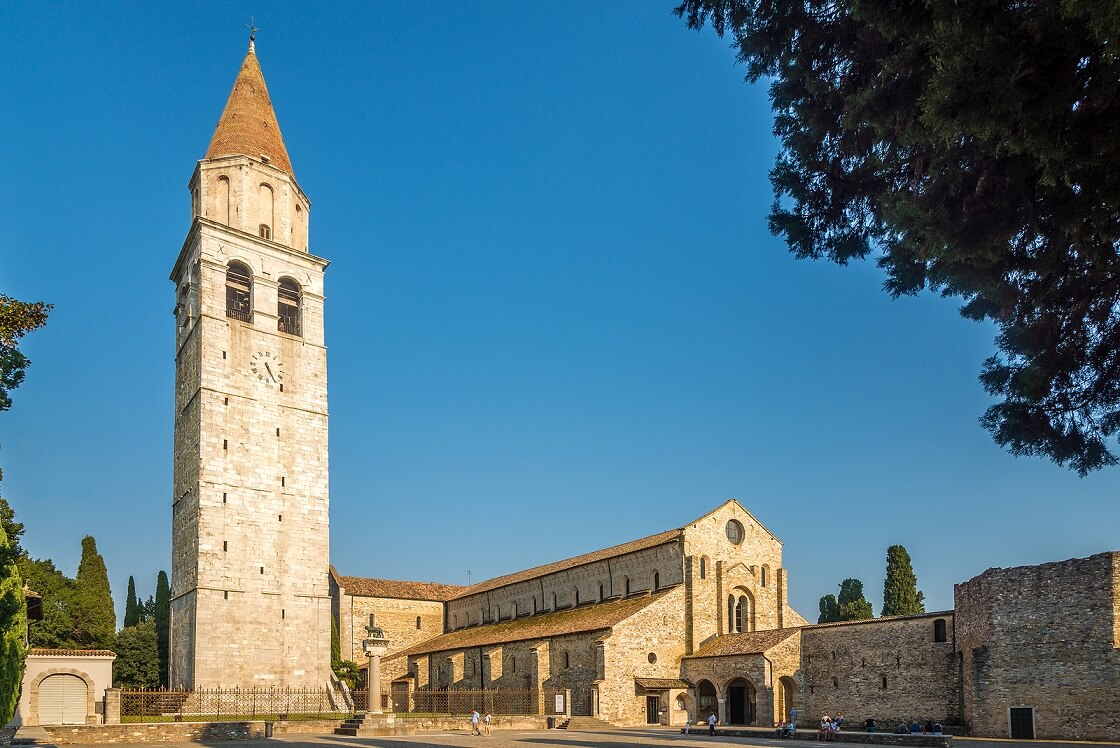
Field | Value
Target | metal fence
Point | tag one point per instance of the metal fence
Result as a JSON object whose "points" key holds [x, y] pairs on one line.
{"points": [[236, 704], [232, 704]]}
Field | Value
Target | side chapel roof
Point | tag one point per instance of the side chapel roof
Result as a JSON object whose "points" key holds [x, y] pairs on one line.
{"points": [[248, 126]]}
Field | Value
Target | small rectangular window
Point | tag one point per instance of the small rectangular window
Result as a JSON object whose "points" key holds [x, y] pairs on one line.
{"points": [[262, 570], [223, 354], [278, 431], [225, 444], [281, 388], [281, 481], [226, 594], [225, 545], [223, 498], [280, 518], [282, 613], [226, 402]]}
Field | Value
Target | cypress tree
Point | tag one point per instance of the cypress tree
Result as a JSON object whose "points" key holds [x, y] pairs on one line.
{"points": [[137, 664], [900, 590], [336, 643], [853, 606], [13, 623], [131, 607], [830, 611], [95, 620], [163, 623]]}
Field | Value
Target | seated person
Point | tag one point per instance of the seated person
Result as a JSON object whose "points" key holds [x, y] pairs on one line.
{"points": [[938, 729], [902, 729], [780, 731], [791, 730], [915, 728]]}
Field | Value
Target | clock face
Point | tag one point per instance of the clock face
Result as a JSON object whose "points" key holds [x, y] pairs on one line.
{"points": [[267, 367]]}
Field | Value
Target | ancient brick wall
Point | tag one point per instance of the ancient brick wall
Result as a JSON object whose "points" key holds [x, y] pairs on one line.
{"points": [[890, 669], [405, 622], [1042, 636]]}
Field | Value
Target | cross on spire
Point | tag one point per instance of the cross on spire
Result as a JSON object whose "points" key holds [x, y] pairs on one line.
{"points": [[252, 26]]}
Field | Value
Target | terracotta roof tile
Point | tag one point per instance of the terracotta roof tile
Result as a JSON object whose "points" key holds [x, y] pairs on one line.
{"points": [[398, 589], [575, 620], [660, 684], [539, 571], [753, 642], [248, 126], [881, 619], [71, 652]]}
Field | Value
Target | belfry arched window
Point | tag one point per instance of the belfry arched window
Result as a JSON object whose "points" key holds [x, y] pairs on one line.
{"points": [[239, 292], [731, 614], [289, 307], [265, 206]]}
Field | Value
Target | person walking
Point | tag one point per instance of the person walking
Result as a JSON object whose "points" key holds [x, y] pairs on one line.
{"points": [[486, 721], [474, 722], [712, 723]]}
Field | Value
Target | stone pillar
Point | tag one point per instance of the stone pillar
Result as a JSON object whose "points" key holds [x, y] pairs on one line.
{"points": [[567, 702], [112, 706], [721, 701], [374, 684]]}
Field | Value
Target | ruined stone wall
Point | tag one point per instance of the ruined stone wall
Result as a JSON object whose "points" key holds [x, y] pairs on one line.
{"points": [[890, 669], [1042, 636]]}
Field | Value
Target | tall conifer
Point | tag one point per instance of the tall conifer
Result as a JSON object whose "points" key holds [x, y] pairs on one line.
{"points": [[853, 605], [163, 623], [131, 606], [900, 590], [830, 611], [95, 621], [13, 622]]}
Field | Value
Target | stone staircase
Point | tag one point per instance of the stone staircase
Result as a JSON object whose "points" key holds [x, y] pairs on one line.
{"points": [[585, 723], [373, 724]]}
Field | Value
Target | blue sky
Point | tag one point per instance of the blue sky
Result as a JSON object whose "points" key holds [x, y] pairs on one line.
{"points": [[556, 320]]}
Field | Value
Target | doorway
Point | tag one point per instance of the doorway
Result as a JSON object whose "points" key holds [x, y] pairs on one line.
{"points": [[1020, 721], [740, 702], [653, 709]]}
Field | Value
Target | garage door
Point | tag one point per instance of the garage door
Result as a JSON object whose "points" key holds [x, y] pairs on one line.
{"points": [[62, 700]]}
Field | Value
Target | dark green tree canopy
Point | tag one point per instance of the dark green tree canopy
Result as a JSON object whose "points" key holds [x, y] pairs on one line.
{"points": [[56, 630], [900, 589], [13, 623], [94, 619], [137, 663], [851, 602], [131, 605], [162, 616], [971, 148], [830, 610], [17, 318]]}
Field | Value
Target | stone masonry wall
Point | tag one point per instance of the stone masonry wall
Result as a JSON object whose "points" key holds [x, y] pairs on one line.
{"points": [[1042, 636], [890, 669], [398, 618]]}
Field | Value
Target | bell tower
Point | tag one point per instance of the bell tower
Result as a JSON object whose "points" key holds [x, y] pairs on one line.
{"points": [[250, 604]]}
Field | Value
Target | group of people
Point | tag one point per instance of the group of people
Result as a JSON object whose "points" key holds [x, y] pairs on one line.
{"points": [[830, 726], [916, 728], [480, 724]]}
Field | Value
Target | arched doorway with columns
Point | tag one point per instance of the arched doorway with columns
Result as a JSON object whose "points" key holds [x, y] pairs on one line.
{"points": [[740, 702], [787, 696]]}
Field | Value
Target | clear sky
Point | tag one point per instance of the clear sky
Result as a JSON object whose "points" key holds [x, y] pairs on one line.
{"points": [[556, 320]]}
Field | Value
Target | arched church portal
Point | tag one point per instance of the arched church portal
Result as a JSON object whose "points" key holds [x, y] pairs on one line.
{"points": [[706, 700], [740, 702]]}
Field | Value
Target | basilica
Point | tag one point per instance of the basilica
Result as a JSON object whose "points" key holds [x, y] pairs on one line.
{"points": [[658, 630]]}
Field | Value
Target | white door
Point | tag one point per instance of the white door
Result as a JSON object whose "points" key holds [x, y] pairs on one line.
{"points": [[62, 700]]}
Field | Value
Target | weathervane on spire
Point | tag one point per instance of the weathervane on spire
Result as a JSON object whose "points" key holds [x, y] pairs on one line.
{"points": [[252, 26]]}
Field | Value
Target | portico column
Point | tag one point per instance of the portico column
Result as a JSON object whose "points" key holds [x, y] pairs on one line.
{"points": [[375, 684], [721, 701]]}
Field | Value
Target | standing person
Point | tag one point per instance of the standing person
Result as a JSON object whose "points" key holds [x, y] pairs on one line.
{"points": [[869, 723], [474, 722], [839, 721], [793, 715], [712, 723], [486, 720]]}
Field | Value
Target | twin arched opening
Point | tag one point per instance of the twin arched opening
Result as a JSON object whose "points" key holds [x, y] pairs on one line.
{"points": [[239, 299]]}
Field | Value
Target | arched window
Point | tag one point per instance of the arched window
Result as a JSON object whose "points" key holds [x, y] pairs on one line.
{"points": [[553, 601], [265, 211], [656, 581], [417, 623], [514, 615], [221, 200], [600, 593], [626, 585], [289, 307], [575, 595], [567, 661], [239, 292], [513, 664], [497, 612], [835, 682], [742, 614], [939, 630], [765, 574], [703, 567], [534, 603], [731, 614]]}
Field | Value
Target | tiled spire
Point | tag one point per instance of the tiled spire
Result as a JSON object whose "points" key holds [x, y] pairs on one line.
{"points": [[248, 126]]}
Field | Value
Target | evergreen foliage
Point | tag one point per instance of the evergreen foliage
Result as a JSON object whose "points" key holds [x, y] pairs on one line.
{"points": [[336, 643], [137, 663], [970, 147], [13, 529], [162, 618], [147, 609], [851, 602], [17, 318], [900, 590], [94, 619], [56, 630], [830, 610], [13, 624], [349, 672], [131, 606]]}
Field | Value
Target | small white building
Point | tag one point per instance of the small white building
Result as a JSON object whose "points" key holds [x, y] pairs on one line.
{"points": [[65, 687]]}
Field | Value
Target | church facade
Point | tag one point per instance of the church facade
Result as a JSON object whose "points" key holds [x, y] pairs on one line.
{"points": [[667, 628]]}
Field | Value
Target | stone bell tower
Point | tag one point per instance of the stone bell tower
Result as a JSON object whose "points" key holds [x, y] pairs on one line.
{"points": [[250, 603]]}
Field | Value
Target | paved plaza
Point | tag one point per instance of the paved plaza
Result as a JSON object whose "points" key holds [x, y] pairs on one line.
{"points": [[564, 739]]}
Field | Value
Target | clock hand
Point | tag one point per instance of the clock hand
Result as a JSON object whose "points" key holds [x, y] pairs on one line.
{"points": [[269, 368]]}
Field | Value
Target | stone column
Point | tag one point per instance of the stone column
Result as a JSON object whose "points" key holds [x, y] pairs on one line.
{"points": [[721, 701], [374, 684]]}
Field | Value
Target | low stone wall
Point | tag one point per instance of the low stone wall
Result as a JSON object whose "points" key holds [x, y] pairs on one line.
{"points": [[877, 738], [195, 732]]}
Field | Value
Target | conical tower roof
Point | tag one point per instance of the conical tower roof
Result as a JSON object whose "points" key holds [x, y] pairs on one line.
{"points": [[248, 126]]}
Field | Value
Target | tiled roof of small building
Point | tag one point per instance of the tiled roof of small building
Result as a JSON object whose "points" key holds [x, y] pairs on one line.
{"points": [[71, 652], [574, 620], [650, 541], [248, 126], [881, 619], [660, 684], [752, 642], [398, 589]]}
